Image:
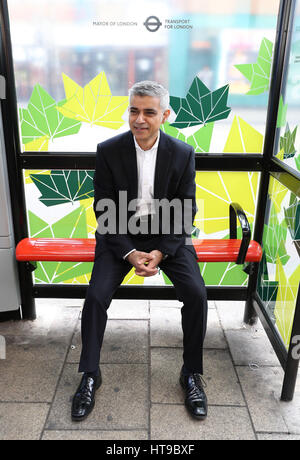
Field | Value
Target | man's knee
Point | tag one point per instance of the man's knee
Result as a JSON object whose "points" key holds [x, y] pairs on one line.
{"points": [[96, 297], [194, 293]]}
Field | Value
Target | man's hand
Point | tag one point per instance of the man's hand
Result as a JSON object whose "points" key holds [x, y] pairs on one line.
{"points": [[145, 263]]}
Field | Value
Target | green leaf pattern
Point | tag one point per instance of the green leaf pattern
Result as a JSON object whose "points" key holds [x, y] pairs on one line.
{"points": [[45, 120], [41, 118], [258, 73], [64, 186], [200, 106]]}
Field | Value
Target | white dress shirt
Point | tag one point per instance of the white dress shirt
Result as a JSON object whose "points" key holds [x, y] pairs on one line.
{"points": [[146, 161]]}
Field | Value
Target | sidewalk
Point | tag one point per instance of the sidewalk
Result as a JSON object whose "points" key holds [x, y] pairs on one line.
{"points": [[140, 397]]}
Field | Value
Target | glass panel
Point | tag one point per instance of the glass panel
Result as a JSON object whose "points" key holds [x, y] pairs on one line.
{"points": [[288, 137], [60, 204], [74, 61], [279, 273]]}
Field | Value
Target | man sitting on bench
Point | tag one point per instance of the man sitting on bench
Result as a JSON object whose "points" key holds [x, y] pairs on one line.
{"points": [[145, 165]]}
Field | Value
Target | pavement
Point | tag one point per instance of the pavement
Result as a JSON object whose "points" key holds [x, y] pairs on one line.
{"points": [[141, 398]]}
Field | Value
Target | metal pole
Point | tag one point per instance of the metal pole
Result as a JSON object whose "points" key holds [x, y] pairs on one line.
{"points": [[12, 147], [284, 18]]}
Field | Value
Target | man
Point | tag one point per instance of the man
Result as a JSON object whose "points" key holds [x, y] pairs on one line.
{"points": [[148, 167]]}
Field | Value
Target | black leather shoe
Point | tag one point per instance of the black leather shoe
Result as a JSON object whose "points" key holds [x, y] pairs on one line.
{"points": [[195, 397], [84, 398]]}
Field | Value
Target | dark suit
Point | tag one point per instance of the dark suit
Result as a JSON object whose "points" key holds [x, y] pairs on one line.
{"points": [[116, 170]]}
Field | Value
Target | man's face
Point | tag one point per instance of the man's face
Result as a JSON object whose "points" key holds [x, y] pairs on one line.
{"points": [[145, 118]]}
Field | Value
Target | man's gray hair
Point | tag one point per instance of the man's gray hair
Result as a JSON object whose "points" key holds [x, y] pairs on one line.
{"points": [[153, 89]]}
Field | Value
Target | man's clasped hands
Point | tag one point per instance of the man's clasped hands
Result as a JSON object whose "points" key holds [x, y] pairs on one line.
{"points": [[145, 263]]}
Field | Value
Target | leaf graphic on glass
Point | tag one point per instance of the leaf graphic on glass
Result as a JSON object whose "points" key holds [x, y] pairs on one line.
{"points": [[200, 106], [274, 238], [266, 288], [64, 186], [297, 161], [73, 225], [243, 138], [220, 273], [41, 121], [172, 131], [286, 300], [292, 217], [38, 145], [287, 142], [277, 193], [259, 73], [216, 190], [94, 103], [282, 109], [200, 140]]}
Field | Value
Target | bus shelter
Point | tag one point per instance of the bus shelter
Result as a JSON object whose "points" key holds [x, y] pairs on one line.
{"points": [[245, 58]]}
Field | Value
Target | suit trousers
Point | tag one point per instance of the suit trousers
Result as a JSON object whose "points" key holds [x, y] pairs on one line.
{"points": [[109, 272]]}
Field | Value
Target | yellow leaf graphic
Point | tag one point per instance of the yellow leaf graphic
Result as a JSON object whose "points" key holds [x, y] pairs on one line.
{"points": [[90, 216], [277, 193], [38, 145], [286, 300], [28, 172], [132, 278], [280, 155], [243, 138], [216, 190], [94, 103], [83, 279]]}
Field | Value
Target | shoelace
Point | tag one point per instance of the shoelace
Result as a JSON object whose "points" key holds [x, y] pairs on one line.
{"points": [[86, 392], [196, 389]]}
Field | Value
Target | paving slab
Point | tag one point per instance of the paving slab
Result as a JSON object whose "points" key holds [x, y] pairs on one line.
{"points": [[291, 410], [231, 315], [31, 368], [166, 303], [125, 341], [128, 309], [141, 397], [251, 347], [55, 321], [222, 423], [166, 329], [219, 375], [22, 421], [122, 402], [277, 437], [94, 435], [262, 388]]}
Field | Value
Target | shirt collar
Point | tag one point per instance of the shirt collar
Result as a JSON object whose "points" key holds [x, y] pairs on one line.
{"points": [[155, 146]]}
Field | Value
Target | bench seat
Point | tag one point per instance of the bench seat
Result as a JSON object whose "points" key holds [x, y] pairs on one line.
{"points": [[83, 250]]}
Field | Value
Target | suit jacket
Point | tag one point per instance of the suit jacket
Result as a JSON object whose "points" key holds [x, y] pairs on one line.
{"points": [[116, 170]]}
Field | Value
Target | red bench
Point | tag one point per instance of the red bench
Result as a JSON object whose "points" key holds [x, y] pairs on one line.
{"points": [[208, 250]]}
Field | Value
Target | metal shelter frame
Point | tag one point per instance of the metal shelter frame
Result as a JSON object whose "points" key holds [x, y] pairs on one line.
{"points": [[268, 166]]}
